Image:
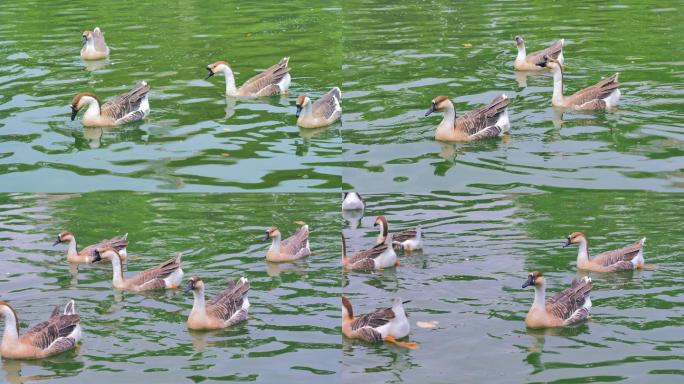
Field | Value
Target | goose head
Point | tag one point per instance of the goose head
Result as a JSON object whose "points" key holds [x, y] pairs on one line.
{"points": [[574, 238], [438, 103], [302, 101], [217, 67], [519, 41], [549, 62], [86, 36], [347, 312], [272, 233], [81, 100], [194, 284], [535, 279], [106, 254], [64, 236]]}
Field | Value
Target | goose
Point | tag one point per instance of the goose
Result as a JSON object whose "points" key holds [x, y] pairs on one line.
{"points": [[60, 333], [378, 257], [524, 62], [87, 254], [293, 248], [408, 240], [165, 275], [121, 109], [325, 111], [273, 81], [567, 307], [227, 308], [352, 201], [384, 324], [93, 45], [603, 95], [489, 121], [629, 257]]}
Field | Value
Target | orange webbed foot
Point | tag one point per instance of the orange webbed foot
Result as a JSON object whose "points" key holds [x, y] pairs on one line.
{"points": [[404, 344]]}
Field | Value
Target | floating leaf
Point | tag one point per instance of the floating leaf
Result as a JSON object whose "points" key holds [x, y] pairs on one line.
{"points": [[300, 222], [427, 324], [225, 154], [468, 45]]}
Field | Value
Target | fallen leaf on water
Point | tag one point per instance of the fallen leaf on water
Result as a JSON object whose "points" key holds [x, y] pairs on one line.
{"points": [[428, 324], [248, 34], [468, 45], [225, 154], [300, 222]]}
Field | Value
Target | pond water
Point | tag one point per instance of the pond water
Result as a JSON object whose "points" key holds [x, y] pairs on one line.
{"points": [[398, 56], [292, 334], [478, 251], [195, 139]]}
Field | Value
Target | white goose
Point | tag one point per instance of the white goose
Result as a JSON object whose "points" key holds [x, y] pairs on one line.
{"points": [[126, 108], [273, 81]]}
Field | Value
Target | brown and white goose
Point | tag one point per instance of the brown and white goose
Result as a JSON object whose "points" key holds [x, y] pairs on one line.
{"points": [[525, 62], [122, 109], [93, 45], [384, 324], [293, 248], [488, 121], [567, 307], [272, 81], [380, 256], [165, 275], [629, 257], [87, 254], [352, 201], [227, 308], [603, 95], [325, 111], [407, 240], [60, 333]]}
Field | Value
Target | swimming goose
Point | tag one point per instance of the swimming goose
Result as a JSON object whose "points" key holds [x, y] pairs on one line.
{"points": [[629, 257], [352, 201], [489, 121], [408, 240], [272, 81], [94, 46], [379, 257], [87, 254], [323, 112], [165, 275], [385, 324], [564, 308], [118, 110], [293, 248], [524, 62], [58, 334], [227, 308], [603, 95]]}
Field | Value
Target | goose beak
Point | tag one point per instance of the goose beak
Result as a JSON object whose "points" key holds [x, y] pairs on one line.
{"points": [[299, 110], [83, 40], [98, 257], [567, 242], [541, 64], [190, 286], [210, 74], [530, 281], [268, 236], [432, 109], [57, 242], [74, 111]]}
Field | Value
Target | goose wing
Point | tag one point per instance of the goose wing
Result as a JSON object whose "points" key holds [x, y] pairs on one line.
{"points": [[618, 255], [263, 82], [404, 235], [297, 243], [44, 334], [99, 40], [328, 104], [552, 51], [155, 275], [369, 254], [120, 106], [565, 303], [117, 243], [374, 319], [474, 121], [598, 91]]}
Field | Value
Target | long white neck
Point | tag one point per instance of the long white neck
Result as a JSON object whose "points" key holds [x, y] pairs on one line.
{"points": [[117, 272], [539, 297], [583, 251], [447, 125], [72, 251], [275, 245], [93, 111], [199, 305], [522, 54], [10, 336], [307, 110], [557, 97], [231, 90], [381, 236]]}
